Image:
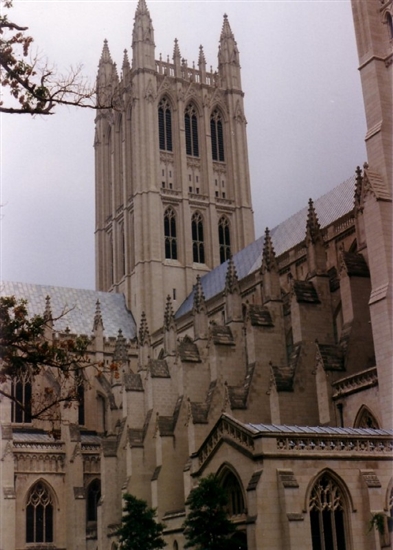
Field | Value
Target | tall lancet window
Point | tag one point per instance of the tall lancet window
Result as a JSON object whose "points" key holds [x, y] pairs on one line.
{"points": [[224, 239], [191, 127], [39, 514], [198, 246], [217, 136], [165, 125], [327, 515], [21, 394], [170, 234]]}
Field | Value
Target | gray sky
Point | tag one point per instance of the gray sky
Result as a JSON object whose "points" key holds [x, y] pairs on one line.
{"points": [[303, 104]]}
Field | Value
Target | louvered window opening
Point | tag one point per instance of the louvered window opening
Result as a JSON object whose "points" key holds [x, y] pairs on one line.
{"points": [[224, 239], [191, 128], [170, 234], [165, 125], [39, 515], [217, 136], [198, 246]]}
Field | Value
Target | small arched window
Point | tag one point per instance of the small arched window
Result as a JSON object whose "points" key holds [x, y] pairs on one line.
{"points": [[234, 493], [93, 496], [39, 514], [21, 395], [170, 234], [191, 128], [224, 239], [217, 136], [365, 419], [165, 125], [327, 515], [198, 246]]}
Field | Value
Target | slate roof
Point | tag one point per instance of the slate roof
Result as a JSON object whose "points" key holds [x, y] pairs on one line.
{"points": [[260, 316], [356, 264], [329, 207], [332, 357], [188, 351], [222, 335], [80, 306], [158, 368], [305, 292], [316, 430]]}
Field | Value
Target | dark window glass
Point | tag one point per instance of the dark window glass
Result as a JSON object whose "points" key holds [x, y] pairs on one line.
{"points": [[164, 125], [191, 129], [21, 392], [234, 494], [170, 234], [39, 515], [93, 496], [217, 136], [224, 239], [198, 247]]}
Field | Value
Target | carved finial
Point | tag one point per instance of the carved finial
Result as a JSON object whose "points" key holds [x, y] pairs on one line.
{"points": [[98, 323], [126, 62], [201, 59], [313, 229], [176, 50], [226, 31], [120, 353], [144, 335], [358, 186], [48, 309], [105, 55], [169, 317], [268, 255], [199, 297], [142, 8], [231, 280]]}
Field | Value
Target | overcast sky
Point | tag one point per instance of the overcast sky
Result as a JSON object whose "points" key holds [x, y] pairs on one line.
{"points": [[303, 105]]}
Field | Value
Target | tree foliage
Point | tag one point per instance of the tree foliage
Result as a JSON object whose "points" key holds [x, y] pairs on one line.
{"points": [[33, 85], [28, 350], [207, 526], [139, 529]]}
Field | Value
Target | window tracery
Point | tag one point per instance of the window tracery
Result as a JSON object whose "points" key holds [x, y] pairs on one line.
{"points": [[170, 234], [217, 136], [21, 392], [39, 514], [327, 515], [198, 246], [365, 419], [165, 125], [224, 239], [191, 129]]}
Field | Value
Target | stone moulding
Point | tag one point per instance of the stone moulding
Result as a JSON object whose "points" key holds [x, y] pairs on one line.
{"points": [[357, 382]]}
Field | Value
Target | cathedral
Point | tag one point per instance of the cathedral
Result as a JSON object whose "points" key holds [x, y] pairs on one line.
{"points": [[267, 362]]}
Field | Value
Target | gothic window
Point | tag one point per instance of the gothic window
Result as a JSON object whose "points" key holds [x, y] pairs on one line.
{"points": [[170, 234], [80, 393], [165, 125], [217, 136], [365, 419], [224, 239], [234, 493], [21, 393], [198, 247], [39, 514], [93, 496], [327, 515], [191, 127]]}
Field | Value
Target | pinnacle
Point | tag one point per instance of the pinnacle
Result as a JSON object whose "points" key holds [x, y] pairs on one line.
{"points": [[268, 254], [313, 229], [202, 59], [126, 62], [169, 317], [98, 317], [142, 8], [105, 55], [176, 50], [143, 330], [199, 297], [226, 31], [231, 280]]}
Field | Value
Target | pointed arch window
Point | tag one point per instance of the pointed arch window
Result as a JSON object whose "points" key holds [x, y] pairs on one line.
{"points": [[165, 125], [93, 496], [327, 515], [21, 390], [234, 493], [224, 239], [191, 128], [170, 234], [39, 514], [217, 136], [198, 246], [365, 419]]}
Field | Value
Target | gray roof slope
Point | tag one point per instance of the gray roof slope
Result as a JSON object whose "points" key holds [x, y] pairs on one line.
{"points": [[316, 430], [331, 206], [80, 306]]}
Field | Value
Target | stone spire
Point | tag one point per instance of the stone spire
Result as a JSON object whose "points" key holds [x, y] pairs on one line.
{"points": [[226, 31], [359, 209], [105, 76], [271, 289], [105, 55], [48, 316], [316, 255], [202, 64], [199, 311], [228, 57], [177, 58], [143, 39], [98, 323], [231, 280], [126, 67], [144, 342], [120, 353], [169, 328]]}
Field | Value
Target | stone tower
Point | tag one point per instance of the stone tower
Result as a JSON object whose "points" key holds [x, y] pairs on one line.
{"points": [[373, 21], [173, 193]]}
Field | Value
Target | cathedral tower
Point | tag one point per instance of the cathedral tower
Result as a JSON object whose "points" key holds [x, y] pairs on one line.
{"points": [[173, 195]]}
